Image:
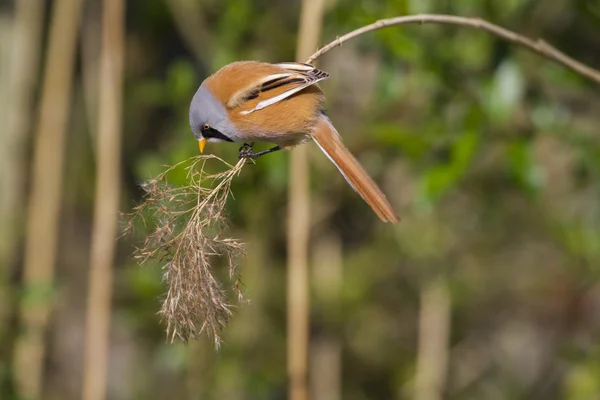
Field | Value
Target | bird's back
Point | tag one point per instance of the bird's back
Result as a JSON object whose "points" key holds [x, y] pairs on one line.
{"points": [[287, 122]]}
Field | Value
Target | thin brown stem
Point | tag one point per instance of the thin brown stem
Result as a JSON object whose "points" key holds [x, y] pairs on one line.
{"points": [[187, 236], [537, 46]]}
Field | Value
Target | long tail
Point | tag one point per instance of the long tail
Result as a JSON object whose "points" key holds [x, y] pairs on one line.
{"points": [[329, 140]]}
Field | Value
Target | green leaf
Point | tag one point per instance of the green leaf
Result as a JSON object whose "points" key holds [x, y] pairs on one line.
{"points": [[441, 178], [525, 171]]}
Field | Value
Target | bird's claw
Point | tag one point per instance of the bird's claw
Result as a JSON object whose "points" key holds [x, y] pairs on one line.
{"points": [[246, 151]]}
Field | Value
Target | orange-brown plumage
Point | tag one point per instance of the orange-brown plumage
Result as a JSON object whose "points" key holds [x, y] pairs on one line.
{"points": [[250, 101], [295, 116], [331, 143]]}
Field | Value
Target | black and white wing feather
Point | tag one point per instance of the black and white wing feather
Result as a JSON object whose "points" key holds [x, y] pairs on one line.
{"points": [[294, 78]]}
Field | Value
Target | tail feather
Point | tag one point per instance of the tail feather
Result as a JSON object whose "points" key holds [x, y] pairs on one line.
{"points": [[330, 142]]}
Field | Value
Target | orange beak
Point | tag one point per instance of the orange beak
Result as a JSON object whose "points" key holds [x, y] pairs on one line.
{"points": [[201, 144]]}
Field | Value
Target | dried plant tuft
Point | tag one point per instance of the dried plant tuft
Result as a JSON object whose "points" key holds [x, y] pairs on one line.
{"points": [[187, 236]]}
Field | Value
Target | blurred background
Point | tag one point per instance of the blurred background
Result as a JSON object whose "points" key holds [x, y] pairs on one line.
{"points": [[488, 288]]}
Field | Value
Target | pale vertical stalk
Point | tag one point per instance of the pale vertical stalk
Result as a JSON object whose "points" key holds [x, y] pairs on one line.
{"points": [[23, 63], [326, 350], [201, 360], [44, 204], [297, 277], [8, 27], [434, 332], [108, 184], [21, 73], [311, 18]]}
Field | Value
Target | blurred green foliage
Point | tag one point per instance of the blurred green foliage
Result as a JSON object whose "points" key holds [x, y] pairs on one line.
{"points": [[491, 155]]}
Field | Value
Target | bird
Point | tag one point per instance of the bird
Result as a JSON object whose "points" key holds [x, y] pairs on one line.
{"points": [[282, 104]]}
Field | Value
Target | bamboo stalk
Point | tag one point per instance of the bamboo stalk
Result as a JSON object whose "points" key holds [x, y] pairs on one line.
{"points": [[22, 65], [326, 349], [108, 182], [434, 332], [7, 208], [44, 204], [311, 18]]}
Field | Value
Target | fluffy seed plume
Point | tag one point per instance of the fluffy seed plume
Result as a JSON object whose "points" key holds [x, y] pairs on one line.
{"points": [[187, 235]]}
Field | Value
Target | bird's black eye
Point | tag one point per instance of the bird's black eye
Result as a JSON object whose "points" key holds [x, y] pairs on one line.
{"points": [[205, 127]]}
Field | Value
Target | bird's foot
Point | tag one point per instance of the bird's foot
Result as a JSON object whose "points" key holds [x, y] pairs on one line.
{"points": [[246, 151]]}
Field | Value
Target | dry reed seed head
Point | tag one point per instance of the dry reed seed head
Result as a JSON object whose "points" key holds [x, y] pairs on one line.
{"points": [[187, 235]]}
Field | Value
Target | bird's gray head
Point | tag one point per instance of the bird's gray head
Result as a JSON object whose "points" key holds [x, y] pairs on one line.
{"points": [[209, 120]]}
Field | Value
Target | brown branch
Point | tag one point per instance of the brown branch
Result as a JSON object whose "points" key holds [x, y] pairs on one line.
{"points": [[537, 46]]}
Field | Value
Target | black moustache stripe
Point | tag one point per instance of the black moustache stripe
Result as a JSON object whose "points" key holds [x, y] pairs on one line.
{"points": [[213, 133]]}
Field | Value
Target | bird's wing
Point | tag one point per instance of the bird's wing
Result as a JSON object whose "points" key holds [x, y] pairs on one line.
{"points": [[293, 78]]}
